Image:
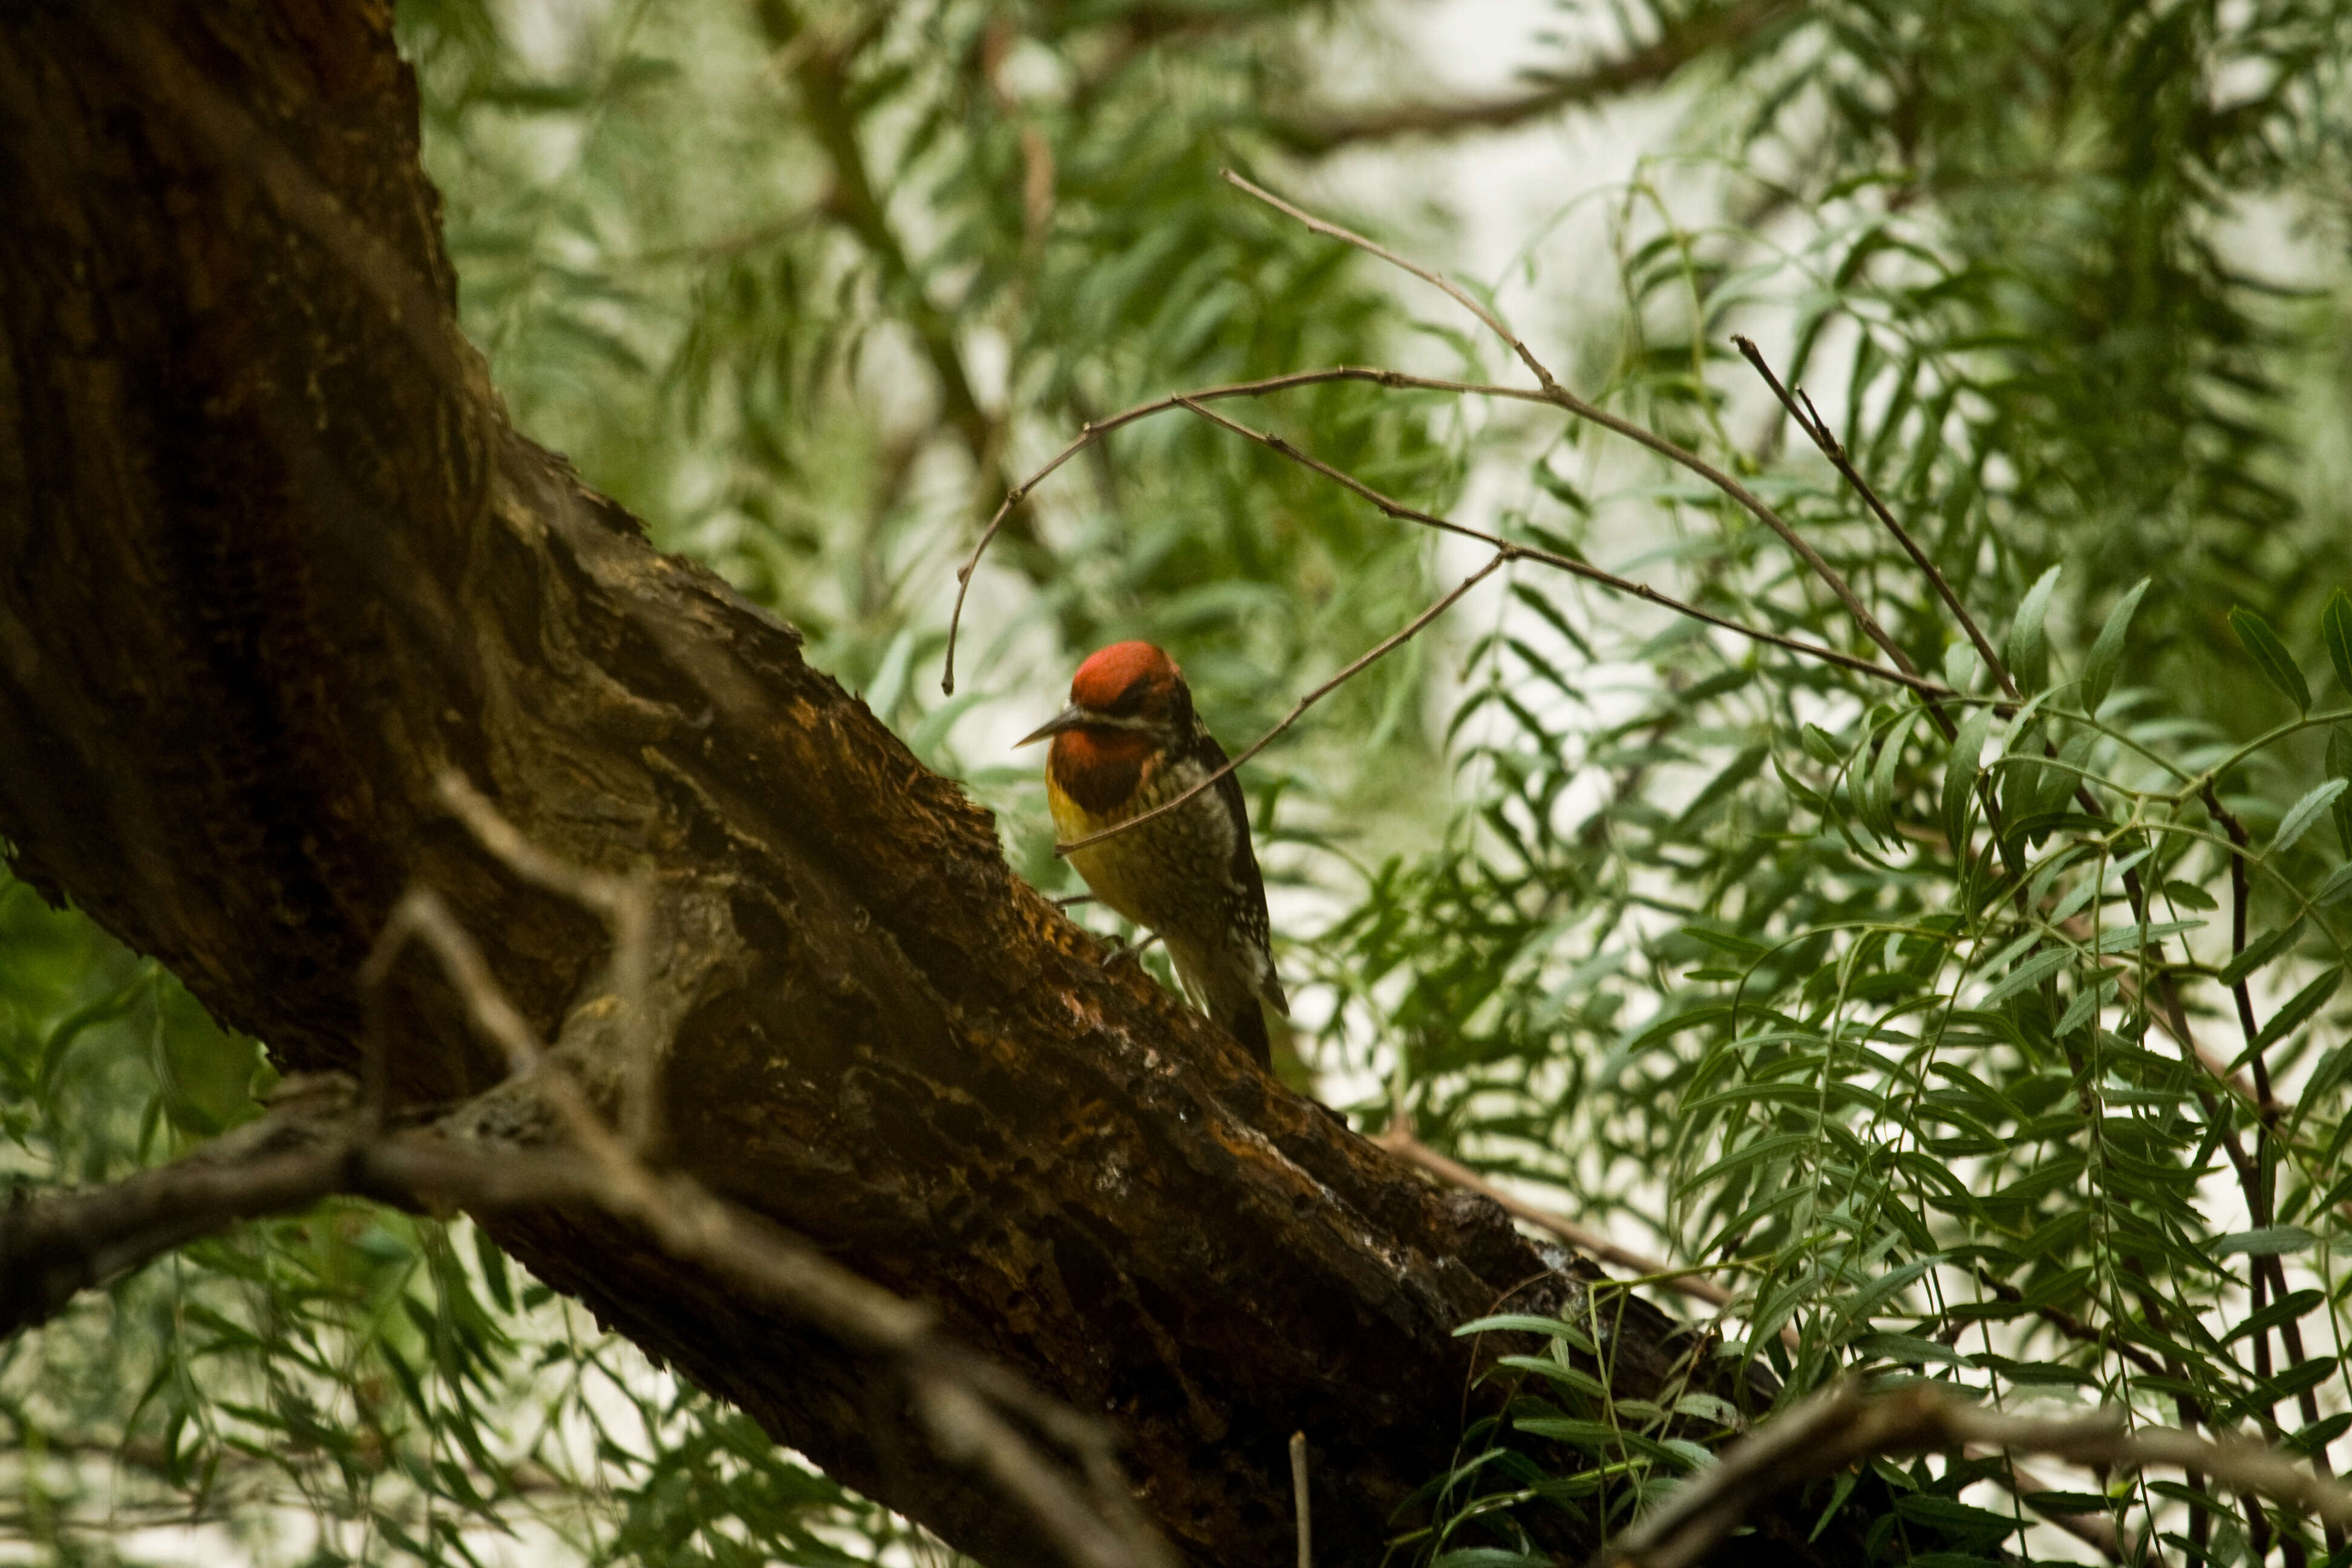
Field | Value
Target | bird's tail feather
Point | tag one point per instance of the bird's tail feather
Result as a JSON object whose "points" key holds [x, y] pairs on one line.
{"points": [[1246, 1023], [1229, 997]]}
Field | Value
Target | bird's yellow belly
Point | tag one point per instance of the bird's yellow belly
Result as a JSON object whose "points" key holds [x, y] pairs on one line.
{"points": [[1150, 874]]}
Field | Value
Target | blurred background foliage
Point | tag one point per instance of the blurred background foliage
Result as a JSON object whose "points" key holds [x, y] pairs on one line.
{"points": [[1697, 944]]}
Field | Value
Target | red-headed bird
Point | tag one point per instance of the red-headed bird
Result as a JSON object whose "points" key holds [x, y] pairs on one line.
{"points": [[1128, 741]]}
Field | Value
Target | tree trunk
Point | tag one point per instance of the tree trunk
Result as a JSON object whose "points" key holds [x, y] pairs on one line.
{"points": [[270, 558]]}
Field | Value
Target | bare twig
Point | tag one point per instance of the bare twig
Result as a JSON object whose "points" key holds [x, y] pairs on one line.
{"points": [[320, 1144], [1299, 1500], [1097, 1525], [1387, 644], [1839, 1427], [1810, 421], [1094, 430], [1570, 564], [625, 904], [1314, 135], [1559, 396], [1399, 1141]]}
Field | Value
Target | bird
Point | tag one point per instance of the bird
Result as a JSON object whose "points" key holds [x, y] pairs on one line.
{"points": [[1130, 739]]}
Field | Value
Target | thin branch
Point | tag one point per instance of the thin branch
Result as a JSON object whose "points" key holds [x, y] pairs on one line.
{"points": [[1559, 396], [1810, 421], [1430, 275], [1839, 1427], [1094, 430], [1569, 563], [1399, 1141], [625, 904], [1505, 553], [1298, 1499], [1315, 135]]}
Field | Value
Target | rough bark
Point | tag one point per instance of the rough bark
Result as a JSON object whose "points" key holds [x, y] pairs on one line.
{"points": [[270, 557]]}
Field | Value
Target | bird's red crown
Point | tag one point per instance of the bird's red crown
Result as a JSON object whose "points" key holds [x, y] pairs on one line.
{"points": [[1111, 674]]}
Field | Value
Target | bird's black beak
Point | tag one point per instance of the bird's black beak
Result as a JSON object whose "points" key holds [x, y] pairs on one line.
{"points": [[1069, 718]]}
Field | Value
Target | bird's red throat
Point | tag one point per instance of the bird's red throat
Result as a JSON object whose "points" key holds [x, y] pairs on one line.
{"points": [[1098, 768]]}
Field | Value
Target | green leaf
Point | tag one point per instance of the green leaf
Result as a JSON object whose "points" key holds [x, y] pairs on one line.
{"points": [[1960, 774], [1820, 747], [1708, 1407], [1584, 1382], [2032, 972], [1514, 1322], [1876, 807], [2269, 1241], [2085, 1007], [2277, 1313], [2190, 896], [2304, 813], [1727, 943], [2259, 952], [2305, 1002], [1871, 1297], [2335, 627], [2277, 665], [2107, 653], [2339, 763], [2133, 937], [2067, 1502], [1960, 666], [2028, 645]]}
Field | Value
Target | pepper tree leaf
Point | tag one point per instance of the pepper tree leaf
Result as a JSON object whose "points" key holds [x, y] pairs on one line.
{"points": [[2277, 665], [2107, 653], [2335, 627], [2029, 644]]}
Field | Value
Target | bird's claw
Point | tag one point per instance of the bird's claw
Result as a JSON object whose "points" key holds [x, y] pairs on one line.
{"points": [[1125, 952]]}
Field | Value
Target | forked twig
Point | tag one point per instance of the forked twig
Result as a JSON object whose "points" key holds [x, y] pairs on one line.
{"points": [[1560, 397], [625, 904], [1094, 430], [962, 1401], [1569, 563], [1505, 551], [1817, 429]]}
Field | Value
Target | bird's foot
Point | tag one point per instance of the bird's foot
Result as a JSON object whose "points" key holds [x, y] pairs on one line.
{"points": [[1125, 952]]}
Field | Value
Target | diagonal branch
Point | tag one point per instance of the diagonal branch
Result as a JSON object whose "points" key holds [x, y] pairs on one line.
{"points": [[1316, 134], [1575, 567], [820, 66], [1094, 430], [1559, 396], [1816, 428], [1841, 1426]]}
